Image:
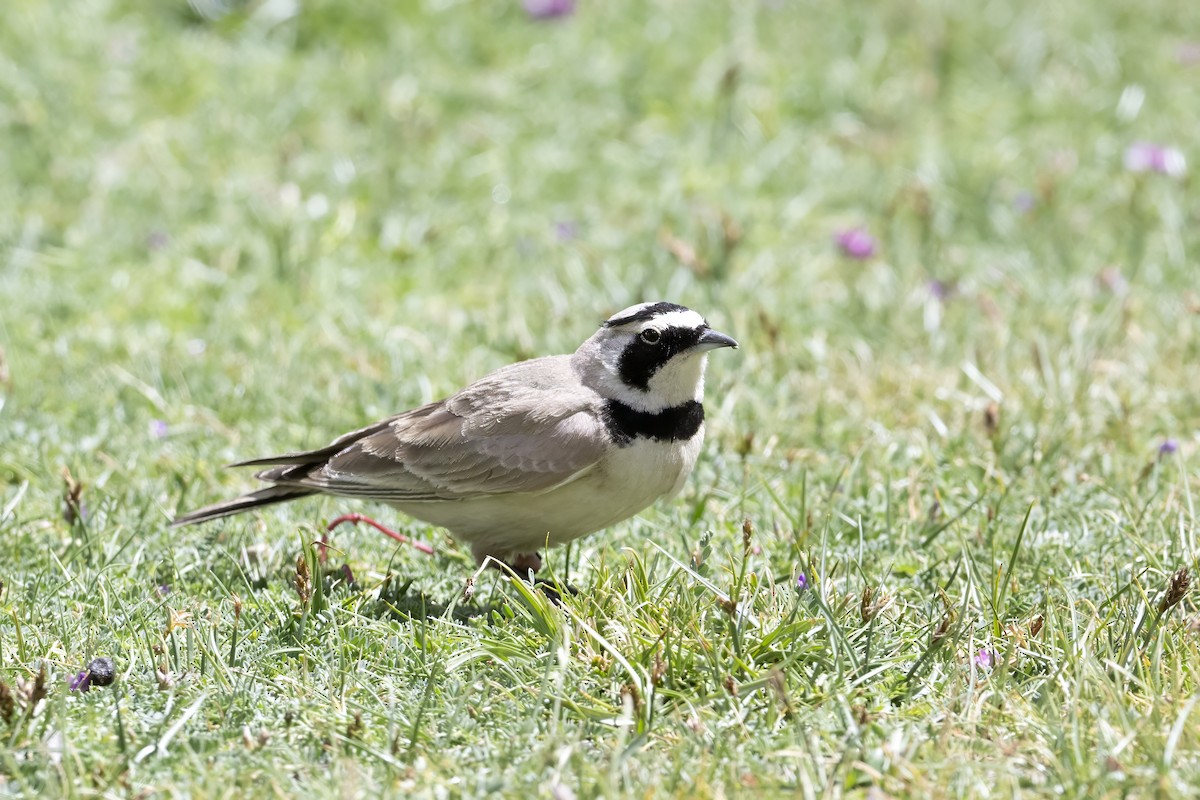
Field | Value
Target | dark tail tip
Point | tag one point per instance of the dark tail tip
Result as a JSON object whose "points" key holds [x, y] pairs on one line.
{"points": [[263, 497]]}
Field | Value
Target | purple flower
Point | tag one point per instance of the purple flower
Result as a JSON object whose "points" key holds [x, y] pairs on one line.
{"points": [[855, 243], [157, 240], [82, 682], [1168, 448], [566, 230], [549, 9], [985, 659], [1150, 157], [938, 290], [1188, 54], [801, 582], [159, 429], [1024, 202]]}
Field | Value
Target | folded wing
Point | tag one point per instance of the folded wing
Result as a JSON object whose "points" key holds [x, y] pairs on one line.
{"points": [[520, 430]]}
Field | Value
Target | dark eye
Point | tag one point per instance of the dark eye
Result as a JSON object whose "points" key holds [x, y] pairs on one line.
{"points": [[651, 336]]}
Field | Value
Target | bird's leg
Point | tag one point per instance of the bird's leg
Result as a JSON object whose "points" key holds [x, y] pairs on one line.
{"points": [[525, 563], [524, 566], [385, 530]]}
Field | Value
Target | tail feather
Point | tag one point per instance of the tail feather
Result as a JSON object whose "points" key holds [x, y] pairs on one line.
{"points": [[286, 467], [290, 459], [263, 497], [321, 454]]}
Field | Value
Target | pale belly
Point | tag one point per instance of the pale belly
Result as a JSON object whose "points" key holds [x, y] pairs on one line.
{"points": [[627, 481]]}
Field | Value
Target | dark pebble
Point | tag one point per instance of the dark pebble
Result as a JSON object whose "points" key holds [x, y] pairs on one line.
{"points": [[102, 670]]}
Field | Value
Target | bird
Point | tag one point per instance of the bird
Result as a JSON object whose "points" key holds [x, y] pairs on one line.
{"points": [[537, 453]]}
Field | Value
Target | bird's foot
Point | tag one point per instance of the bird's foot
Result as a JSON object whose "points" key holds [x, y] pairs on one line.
{"points": [[554, 590], [524, 565], [385, 530]]}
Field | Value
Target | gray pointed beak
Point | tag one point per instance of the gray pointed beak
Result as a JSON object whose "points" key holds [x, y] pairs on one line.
{"points": [[711, 340]]}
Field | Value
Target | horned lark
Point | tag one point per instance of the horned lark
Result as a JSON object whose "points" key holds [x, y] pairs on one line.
{"points": [[540, 452]]}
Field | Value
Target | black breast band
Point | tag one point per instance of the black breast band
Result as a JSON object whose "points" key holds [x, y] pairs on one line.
{"points": [[679, 423]]}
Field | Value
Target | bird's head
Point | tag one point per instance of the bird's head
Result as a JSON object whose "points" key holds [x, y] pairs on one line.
{"points": [[650, 356]]}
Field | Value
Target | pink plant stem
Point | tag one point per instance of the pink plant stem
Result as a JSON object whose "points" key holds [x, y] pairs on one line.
{"points": [[356, 518]]}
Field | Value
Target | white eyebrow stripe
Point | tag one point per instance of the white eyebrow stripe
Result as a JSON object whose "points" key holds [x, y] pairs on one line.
{"points": [[674, 319]]}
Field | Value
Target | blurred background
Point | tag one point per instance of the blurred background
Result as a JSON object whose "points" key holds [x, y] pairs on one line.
{"points": [[390, 198]]}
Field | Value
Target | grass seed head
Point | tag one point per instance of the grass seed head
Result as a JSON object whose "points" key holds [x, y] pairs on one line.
{"points": [[163, 676], [177, 619], [8, 703], [659, 671], [1176, 590], [356, 727], [303, 580], [991, 419], [73, 506], [35, 690], [867, 607], [943, 627]]}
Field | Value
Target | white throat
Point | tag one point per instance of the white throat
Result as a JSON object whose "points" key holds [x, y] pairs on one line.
{"points": [[678, 382]]}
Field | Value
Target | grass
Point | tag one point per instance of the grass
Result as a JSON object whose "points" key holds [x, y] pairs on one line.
{"points": [[229, 229]]}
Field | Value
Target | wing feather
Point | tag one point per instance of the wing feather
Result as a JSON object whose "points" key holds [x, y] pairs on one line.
{"points": [[527, 428]]}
